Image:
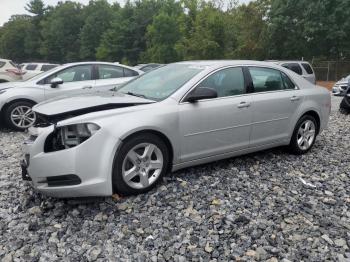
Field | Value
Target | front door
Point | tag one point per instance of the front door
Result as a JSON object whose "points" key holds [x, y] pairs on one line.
{"points": [[76, 80], [220, 125]]}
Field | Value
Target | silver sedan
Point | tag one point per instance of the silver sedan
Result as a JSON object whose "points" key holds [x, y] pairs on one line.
{"points": [[179, 115]]}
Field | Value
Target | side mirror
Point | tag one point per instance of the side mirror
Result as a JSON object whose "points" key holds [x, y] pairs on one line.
{"points": [[56, 81], [201, 93]]}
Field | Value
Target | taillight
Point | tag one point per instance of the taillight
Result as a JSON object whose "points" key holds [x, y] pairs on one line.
{"points": [[15, 71]]}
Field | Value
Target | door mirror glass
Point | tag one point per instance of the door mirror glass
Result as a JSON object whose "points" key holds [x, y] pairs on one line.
{"points": [[201, 93], [56, 81]]}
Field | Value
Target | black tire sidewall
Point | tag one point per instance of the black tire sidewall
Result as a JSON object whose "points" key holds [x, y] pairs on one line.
{"points": [[119, 185], [9, 109], [294, 147]]}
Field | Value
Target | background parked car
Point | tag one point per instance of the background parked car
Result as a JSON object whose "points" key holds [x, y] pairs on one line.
{"points": [[302, 68], [147, 67], [17, 98], [9, 72], [345, 103], [32, 69], [340, 87]]}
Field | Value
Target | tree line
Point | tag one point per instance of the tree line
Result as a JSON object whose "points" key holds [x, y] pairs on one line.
{"points": [[171, 30]]}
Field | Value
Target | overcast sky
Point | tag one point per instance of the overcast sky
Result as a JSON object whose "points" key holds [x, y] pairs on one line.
{"points": [[14, 7]]}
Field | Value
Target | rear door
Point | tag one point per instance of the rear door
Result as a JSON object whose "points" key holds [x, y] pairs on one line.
{"points": [[109, 76], [220, 125], [76, 80], [274, 102]]}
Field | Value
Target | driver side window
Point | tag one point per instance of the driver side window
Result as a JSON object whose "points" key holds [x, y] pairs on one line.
{"points": [[226, 82], [73, 74]]}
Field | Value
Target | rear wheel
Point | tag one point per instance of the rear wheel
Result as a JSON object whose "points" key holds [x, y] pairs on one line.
{"points": [[19, 115], [304, 135], [140, 164]]}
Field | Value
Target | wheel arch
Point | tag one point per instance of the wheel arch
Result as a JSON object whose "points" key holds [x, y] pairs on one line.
{"points": [[8, 103], [161, 135], [157, 133]]}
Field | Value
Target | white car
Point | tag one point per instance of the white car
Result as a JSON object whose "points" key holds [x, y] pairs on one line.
{"points": [[302, 68], [9, 72], [18, 98], [32, 69], [340, 87], [175, 116]]}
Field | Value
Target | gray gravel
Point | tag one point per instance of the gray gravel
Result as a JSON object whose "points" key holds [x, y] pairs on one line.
{"points": [[265, 206]]}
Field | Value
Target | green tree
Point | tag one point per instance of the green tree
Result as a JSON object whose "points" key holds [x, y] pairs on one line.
{"points": [[60, 32], [36, 7], [33, 34], [163, 34], [97, 16], [246, 31], [125, 41], [206, 39], [12, 40]]}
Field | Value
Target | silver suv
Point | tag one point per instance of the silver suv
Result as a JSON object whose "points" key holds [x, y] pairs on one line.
{"points": [[18, 98], [302, 68]]}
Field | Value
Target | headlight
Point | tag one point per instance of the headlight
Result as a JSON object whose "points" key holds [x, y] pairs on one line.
{"points": [[70, 136], [2, 91]]}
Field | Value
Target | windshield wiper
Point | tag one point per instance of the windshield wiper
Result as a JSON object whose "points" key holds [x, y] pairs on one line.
{"points": [[134, 94]]}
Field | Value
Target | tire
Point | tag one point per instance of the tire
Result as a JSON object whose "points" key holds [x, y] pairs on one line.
{"points": [[139, 166], [10, 112], [296, 145]]}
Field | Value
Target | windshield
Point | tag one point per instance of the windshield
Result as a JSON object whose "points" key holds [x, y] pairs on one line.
{"points": [[38, 76], [160, 83]]}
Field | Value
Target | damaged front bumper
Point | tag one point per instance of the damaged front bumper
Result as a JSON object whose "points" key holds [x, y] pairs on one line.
{"points": [[82, 171]]}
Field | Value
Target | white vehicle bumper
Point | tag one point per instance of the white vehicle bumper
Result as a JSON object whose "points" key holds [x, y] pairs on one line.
{"points": [[85, 170]]}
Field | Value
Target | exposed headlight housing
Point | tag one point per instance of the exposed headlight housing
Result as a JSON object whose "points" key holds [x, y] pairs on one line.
{"points": [[70, 136]]}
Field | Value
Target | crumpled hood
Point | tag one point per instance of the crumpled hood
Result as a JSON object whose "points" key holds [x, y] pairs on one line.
{"points": [[87, 103]]}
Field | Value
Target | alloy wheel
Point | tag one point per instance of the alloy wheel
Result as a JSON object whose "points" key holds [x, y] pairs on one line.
{"points": [[306, 135], [23, 116], [142, 166]]}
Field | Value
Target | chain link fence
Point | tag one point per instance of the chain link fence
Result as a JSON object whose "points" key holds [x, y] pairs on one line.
{"points": [[331, 70]]}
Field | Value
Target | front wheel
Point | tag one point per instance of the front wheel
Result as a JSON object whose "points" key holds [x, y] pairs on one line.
{"points": [[19, 115], [304, 135], [140, 164]]}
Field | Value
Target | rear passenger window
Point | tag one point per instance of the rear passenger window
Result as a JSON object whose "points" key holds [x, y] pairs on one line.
{"points": [[288, 84], [308, 68], [2, 64], [31, 67], [266, 79], [130, 73], [294, 67], [45, 68], [107, 72], [226, 82]]}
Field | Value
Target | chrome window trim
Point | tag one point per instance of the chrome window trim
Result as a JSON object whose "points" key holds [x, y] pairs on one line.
{"points": [[242, 95]]}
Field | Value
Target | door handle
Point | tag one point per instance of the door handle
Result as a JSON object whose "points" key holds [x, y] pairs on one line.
{"points": [[87, 87], [243, 105], [295, 98]]}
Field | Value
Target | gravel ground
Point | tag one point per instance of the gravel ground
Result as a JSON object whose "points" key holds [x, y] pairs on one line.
{"points": [[254, 207]]}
